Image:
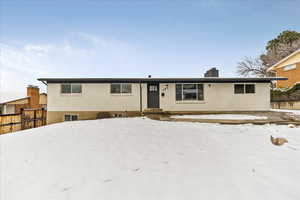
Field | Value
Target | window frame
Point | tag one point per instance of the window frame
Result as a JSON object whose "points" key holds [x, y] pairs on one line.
{"points": [[244, 88], [71, 117], [182, 92], [121, 89], [71, 89]]}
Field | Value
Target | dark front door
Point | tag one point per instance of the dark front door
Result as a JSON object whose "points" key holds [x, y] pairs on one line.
{"points": [[153, 95]]}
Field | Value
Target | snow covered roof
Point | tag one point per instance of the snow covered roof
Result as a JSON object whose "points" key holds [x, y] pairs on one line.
{"points": [[161, 80]]}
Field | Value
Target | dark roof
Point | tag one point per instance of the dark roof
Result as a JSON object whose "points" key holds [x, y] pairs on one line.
{"points": [[161, 80]]}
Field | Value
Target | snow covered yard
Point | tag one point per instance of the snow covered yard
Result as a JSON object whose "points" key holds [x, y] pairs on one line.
{"points": [[136, 158], [220, 116]]}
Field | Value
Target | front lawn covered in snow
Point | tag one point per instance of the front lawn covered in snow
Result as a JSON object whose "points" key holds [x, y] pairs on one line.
{"points": [[220, 116], [139, 158]]}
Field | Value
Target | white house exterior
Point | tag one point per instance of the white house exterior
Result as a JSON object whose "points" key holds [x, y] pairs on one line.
{"points": [[72, 99]]}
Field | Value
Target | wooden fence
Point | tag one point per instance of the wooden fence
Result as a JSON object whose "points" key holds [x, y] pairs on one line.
{"points": [[28, 118]]}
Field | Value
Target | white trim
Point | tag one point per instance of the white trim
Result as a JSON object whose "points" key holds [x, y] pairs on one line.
{"points": [[244, 93], [282, 60], [187, 101], [71, 93], [121, 93]]}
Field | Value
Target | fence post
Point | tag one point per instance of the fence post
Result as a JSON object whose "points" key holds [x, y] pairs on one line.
{"points": [[11, 124], [43, 116], [22, 121], [34, 118]]}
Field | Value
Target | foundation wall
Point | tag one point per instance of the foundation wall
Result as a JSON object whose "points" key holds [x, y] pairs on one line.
{"points": [[58, 116]]}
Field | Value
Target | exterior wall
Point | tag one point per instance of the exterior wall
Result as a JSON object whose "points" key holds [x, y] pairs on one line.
{"points": [[218, 97], [96, 97], [19, 101], [58, 116], [292, 75], [9, 109]]}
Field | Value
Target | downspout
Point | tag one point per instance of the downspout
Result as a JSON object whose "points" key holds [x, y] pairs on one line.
{"points": [[141, 98]]}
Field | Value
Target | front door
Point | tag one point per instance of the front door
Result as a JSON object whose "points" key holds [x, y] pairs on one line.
{"points": [[153, 95]]}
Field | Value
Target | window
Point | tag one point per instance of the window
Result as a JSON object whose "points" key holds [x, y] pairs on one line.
{"points": [[244, 88], [120, 88], [153, 88], [289, 67], [189, 92], [250, 88], [71, 88], [70, 117], [239, 89]]}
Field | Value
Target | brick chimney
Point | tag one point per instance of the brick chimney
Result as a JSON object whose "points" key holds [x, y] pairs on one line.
{"points": [[33, 92]]}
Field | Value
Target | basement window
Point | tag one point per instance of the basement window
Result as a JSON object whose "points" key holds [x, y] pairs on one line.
{"points": [[70, 117], [71, 88], [189, 92], [244, 88], [120, 88]]}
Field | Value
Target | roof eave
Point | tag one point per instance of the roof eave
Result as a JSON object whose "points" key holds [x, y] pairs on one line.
{"points": [[161, 80], [272, 68]]}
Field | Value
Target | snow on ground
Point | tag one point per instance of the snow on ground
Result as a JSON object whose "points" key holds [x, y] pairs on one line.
{"points": [[220, 116], [136, 158], [295, 112]]}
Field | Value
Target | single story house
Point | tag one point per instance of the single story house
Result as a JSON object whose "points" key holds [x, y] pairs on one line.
{"points": [[84, 98], [33, 100], [288, 67]]}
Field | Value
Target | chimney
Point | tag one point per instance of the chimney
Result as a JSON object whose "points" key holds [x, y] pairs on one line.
{"points": [[213, 72], [33, 92]]}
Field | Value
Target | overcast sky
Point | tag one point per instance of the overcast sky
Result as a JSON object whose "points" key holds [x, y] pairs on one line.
{"points": [[132, 38]]}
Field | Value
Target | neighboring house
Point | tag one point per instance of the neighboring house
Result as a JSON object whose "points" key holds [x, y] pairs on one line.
{"points": [[84, 98], [33, 100], [288, 67]]}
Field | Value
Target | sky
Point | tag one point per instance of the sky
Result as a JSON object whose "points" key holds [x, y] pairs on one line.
{"points": [[133, 38]]}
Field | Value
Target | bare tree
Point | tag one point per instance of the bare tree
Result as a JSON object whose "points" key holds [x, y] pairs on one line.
{"points": [[251, 67]]}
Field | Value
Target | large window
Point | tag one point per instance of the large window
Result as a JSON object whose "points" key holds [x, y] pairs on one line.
{"points": [[189, 92], [120, 88], [69, 88], [70, 117], [244, 88]]}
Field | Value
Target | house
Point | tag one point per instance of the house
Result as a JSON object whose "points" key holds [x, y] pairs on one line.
{"points": [[84, 98], [33, 100], [287, 67]]}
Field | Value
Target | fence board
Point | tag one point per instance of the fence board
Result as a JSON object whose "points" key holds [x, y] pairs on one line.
{"points": [[28, 118]]}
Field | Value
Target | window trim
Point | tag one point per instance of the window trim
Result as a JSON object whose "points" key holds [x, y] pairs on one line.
{"points": [[71, 93], [120, 93], [189, 100], [244, 92]]}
